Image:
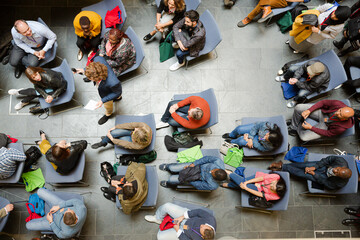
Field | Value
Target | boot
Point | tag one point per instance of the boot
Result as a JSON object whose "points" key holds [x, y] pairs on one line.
{"points": [[340, 44], [344, 52], [267, 14]]}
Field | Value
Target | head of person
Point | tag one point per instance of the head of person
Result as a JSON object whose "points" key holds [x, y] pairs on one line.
{"points": [[96, 71], [341, 14], [70, 217], [128, 190], [141, 136], [279, 187], [207, 232], [60, 151], [191, 18], [33, 74], [342, 172], [179, 5], [274, 136], [115, 36], [196, 113], [315, 69], [85, 24], [23, 28], [344, 113], [219, 174]]}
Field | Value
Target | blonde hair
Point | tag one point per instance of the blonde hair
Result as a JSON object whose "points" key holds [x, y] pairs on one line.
{"points": [[179, 4], [96, 71], [141, 136]]}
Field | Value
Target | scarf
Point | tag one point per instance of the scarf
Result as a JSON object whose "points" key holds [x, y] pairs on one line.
{"points": [[342, 13]]}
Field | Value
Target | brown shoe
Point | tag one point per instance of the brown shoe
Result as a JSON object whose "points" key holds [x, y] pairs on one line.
{"points": [[276, 166], [244, 22], [267, 13]]}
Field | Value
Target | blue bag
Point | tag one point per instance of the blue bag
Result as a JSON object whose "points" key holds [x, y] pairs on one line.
{"points": [[296, 154], [240, 171], [289, 90], [38, 203]]}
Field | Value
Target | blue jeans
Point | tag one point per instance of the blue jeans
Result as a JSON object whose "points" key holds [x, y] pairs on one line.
{"points": [[175, 168], [241, 130], [235, 181], [166, 117], [181, 55], [298, 169], [118, 134]]}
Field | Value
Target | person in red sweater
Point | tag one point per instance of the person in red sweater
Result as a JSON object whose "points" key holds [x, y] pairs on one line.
{"points": [[192, 112], [333, 118]]}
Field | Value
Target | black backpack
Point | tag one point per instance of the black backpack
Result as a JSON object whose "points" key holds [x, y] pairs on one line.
{"points": [[32, 155], [260, 202], [297, 11]]}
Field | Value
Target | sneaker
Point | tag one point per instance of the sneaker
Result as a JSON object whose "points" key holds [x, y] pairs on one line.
{"points": [[337, 87], [97, 145], [243, 22], [280, 72], [280, 79], [176, 66], [14, 91], [89, 54], [175, 45], [287, 42], [296, 52], [148, 37], [80, 55], [20, 105], [163, 167], [226, 135], [288, 122], [152, 218], [162, 125], [292, 132], [103, 119], [291, 104]]}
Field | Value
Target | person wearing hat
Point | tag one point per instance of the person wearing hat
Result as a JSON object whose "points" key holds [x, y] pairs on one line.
{"points": [[313, 76]]}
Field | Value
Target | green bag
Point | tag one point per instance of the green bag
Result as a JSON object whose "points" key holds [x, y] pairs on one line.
{"points": [[285, 22], [234, 157], [33, 180], [166, 49], [147, 157], [190, 154]]}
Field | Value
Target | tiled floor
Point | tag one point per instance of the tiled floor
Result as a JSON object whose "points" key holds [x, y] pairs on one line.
{"points": [[242, 77]]}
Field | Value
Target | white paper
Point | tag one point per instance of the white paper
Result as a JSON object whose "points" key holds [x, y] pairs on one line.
{"points": [[91, 105]]}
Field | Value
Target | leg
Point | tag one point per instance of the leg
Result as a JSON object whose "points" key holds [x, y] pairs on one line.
{"points": [[255, 12], [171, 209], [95, 41], [181, 55], [176, 167], [308, 135], [166, 116], [168, 234], [236, 180], [117, 133], [290, 72], [16, 55], [240, 141], [174, 123], [30, 94], [277, 3], [173, 180], [353, 61], [109, 107], [49, 197], [39, 224], [296, 118], [298, 169], [30, 60], [241, 130], [80, 42], [301, 96], [44, 146]]}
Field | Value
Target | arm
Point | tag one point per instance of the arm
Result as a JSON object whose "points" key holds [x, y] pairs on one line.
{"points": [[71, 203], [192, 41], [332, 31], [16, 155], [130, 126], [59, 84], [102, 50], [255, 180], [127, 144], [324, 7], [204, 160], [325, 181], [326, 162], [20, 43], [314, 83], [209, 184], [3, 213], [40, 90], [47, 33], [176, 28], [331, 132], [321, 104], [116, 92], [258, 146], [300, 71], [255, 129], [254, 192]]}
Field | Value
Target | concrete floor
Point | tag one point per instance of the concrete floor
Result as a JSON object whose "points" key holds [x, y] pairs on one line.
{"points": [[243, 79]]}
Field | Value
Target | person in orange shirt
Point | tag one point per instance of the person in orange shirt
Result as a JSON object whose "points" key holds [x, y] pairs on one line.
{"points": [[192, 112]]}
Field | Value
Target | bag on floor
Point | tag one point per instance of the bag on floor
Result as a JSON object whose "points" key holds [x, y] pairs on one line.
{"points": [[33, 215], [113, 17], [225, 146], [259, 202], [296, 154], [166, 49], [32, 155], [234, 157], [41, 111], [289, 90], [167, 223], [183, 138], [37, 205], [285, 22], [33, 179], [107, 171], [172, 146]]}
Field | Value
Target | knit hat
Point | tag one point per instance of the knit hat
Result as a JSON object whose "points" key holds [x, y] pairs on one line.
{"points": [[315, 69]]}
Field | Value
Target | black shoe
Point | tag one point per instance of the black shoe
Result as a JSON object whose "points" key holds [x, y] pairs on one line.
{"points": [[5, 60], [228, 140], [351, 211], [288, 122], [292, 132], [164, 184], [103, 119], [118, 99], [163, 167], [104, 189], [18, 71], [341, 53], [86, 79], [109, 197], [351, 222], [226, 135], [148, 37], [97, 145], [42, 132], [337, 44]]}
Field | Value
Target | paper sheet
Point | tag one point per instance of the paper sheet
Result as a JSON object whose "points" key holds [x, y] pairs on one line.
{"points": [[91, 105]]}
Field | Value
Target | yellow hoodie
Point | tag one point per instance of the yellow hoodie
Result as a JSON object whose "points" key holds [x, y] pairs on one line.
{"points": [[95, 23], [299, 31]]}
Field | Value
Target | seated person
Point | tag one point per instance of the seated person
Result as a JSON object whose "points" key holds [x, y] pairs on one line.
{"points": [[168, 13], [48, 84], [195, 224], [352, 61], [270, 186], [189, 34], [333, 118], [203, 175], [316, 75], [9, 158], [63, 156], [134, 135], [131, 189], [31, 41], [332, 172], [118, 51], [197, 108], [6, 210], [65, 218], [262, 136], [87, 26]]}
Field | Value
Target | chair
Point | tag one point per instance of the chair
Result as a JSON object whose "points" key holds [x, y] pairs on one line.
{"points": [[213, 36], [278, 11], [14, 179], [209, 96], [280, 121], [149, 120], [280, 205], [350, 187], [102, 7], [355, 74], [190, 4], [153, 183], [3, 221], [51, 54]]}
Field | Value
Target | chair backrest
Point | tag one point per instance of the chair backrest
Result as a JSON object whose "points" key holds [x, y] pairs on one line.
{"points": [[140, 54], [213, 36], [51, 54], [355, 74], [278, 11]]}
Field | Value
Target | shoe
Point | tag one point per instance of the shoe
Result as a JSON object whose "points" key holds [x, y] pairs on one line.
{"points": [[18, 71], [288, 122], [86, 79], [109, 197], [20, 105], [296, 52], [277, 166], [163, 167], [104, 189], [175, 45], [5, 60], [80, 55], [152, 218], [291, 104], [292, 132], [164, 184], [280, 79], [352, 211], [41, 132], [89, 54], [267, 14], [14, 91], [351, 222], [226, 135], [287, 42], [148, 37], [228, 140], [341, 53], [162, 125], [97, 145], [243, 22], [103, 119], [280, 72], [102, 137], [176, 66], [338, 45]]}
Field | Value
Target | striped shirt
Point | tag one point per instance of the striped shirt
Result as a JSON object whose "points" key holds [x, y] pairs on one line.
{"points": [[8, 161]]}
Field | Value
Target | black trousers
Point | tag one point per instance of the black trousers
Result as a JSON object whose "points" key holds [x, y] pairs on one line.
{"points": [[30, 94], [19, 57], [87, 44], [353, 61]]}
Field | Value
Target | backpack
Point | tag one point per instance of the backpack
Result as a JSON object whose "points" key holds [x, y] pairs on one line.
{"points": [[32, 155], [107, 171], [143, 158], [39, 204], [297, 11], [183, 138], [354, 26], [234, 157]]}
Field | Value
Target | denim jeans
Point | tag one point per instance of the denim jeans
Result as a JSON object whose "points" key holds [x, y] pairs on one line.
{"points": [[118, 134], [166, 117], [175, 168], [19, 57], [241, 130], [298, 169], [181, 55], [235, 181]]}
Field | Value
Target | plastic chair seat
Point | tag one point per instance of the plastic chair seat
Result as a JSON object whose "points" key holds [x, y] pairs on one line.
{"points": [[355, 74], [15, 178], [278, 11], [3, 221]]}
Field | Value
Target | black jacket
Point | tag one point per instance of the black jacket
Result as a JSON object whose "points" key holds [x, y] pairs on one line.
{"points": [[51, 80], [179, 14]]}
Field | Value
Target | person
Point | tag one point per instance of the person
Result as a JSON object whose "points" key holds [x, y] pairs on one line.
{"points": [[31, 42], [108, 85], [316, 77], [63, 156], [87, 26], [265, 6], [352, 61], [330, 23], [262, 136], [118, 51], [196, 107], [131, 189], [48, 84], [168, 14], [333, 118], [270, 186], [351, 33], [65, 218], [352, 221], [204, 173], [9, 158], [189, 35], [134, 135], [6, 210], [196, 224], [332, 172]]}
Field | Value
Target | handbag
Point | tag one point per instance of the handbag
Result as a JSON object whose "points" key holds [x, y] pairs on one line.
{"points": [[38, 110], [166, 49], [260, 202], [225, 146], [32, 155], [234, 157], [33, 215], [107, 171], [167, 223], [285, 22], [39, 204]]}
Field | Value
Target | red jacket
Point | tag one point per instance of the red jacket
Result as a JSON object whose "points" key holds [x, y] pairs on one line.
{"points": [[334, 128]]}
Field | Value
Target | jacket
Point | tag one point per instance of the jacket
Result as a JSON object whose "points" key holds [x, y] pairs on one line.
{"points": [[135, 172], [110, 88], [194, 219], [197, 37], [257, 133], [207, 164], [2, 213], [330, 182], [334, 128], [317, 83], [95, 23], [51, 80], [178, 15], [132, 144], [301, 31]]}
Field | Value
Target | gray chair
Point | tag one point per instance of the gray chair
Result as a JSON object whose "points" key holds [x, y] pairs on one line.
{"points": [[14, 179], [3, 221], [280, 121], [102, 7], [149, 120], [355, 74], [190, 4], [209, 96], [278, 11], [51, 54], [153, 183]]}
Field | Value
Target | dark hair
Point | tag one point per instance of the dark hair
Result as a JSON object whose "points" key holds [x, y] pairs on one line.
{"points": [[129, 192], [59, 153], [193, 15], [84, 21], [342, 13], [69, 218], [220, 175], [209, 234], [281, 187], [30, 71], [275, 136]]}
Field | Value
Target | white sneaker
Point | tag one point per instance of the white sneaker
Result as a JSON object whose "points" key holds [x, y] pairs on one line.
{"points": [[280, 79], [161, 125], [291, 104], [338, 87], [176, 66], [152, 218], [175, 45], [20, 105], [280, 72], [89, 54], [296, 52], [287, 42], [14, 91]]}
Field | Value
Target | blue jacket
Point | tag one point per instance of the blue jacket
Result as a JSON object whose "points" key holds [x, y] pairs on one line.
{"points": [[207, 164], [194, 219], [58, 226], [258, 132], [109, 89]]}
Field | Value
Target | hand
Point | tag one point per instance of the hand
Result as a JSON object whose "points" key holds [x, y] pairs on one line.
{"points": [[306, 125], [37, 54], [179, 30], [178, 220], [309, 169], [191, 165], [49, 217], [315, 29], [305, 114], [250, 143], [181, 46], [49, 99], [172, 110], [246, 136], [109, 136], [159, 26], [101, 55], [42, 54], [175, 106], [311, 173], [99, 104], [292, 81], [176, 227], [113, 128], [242, 185], [9, 207], [54, 209]]}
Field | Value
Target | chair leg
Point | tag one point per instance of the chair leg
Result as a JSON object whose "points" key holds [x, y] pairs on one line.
{"points": [[77, 184], [215, 57], [308, 194]]}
